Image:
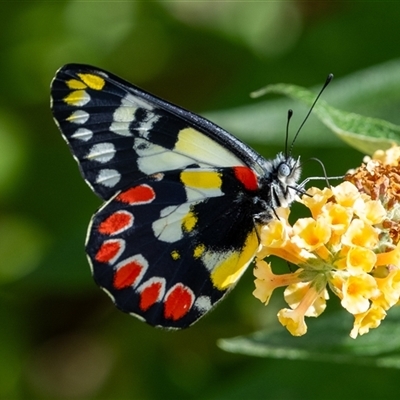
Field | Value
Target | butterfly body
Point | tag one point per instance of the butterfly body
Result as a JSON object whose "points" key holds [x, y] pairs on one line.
{"points": [[184, 198]]}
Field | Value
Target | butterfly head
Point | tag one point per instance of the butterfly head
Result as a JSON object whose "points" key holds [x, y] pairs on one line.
{"points": [[278, 185]]}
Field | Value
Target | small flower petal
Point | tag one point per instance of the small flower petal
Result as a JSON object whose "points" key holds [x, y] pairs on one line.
{"points": [[371, 211], [346, 194], [389, 289], [337, 217], [293, 321], [390, 257], [310, 233], [357, 292], [359, 260], [275, 234], [361, 234], [316, 199], [368, 320], [295, 293], [267, 281], [275, 240], [388, 157]]}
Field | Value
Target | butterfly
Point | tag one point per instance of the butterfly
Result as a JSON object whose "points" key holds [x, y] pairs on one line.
{"points": [[184, 200]]}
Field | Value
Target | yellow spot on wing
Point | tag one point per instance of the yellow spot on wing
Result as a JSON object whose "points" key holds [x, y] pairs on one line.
{"points": [[189, 221], [201, 179], [200, 147], [75, 84], [227, 272], [77, 98], [198, 250], [175, 255], [95, 82]]}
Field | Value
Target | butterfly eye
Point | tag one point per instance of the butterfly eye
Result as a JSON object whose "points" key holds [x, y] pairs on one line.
{"points": [[283, 170]]}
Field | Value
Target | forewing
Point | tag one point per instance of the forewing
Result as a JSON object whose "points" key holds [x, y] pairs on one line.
{"points": [[167, 250], [119, 133]]}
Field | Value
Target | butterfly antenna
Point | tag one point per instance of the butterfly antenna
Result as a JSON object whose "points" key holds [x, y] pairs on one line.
{"points": [[328, 80], [289, 116]]}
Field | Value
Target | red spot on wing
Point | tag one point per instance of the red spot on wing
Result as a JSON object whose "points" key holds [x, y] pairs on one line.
{"points": [[127, 275], [109, 251], [141, 194], [178, 302], [247, 177], [116, 223], [151, 293]]}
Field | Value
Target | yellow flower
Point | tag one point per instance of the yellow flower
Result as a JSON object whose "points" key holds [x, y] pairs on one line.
{"points": [[351, 244], [359, 233], [369, 319], [310, 234], [337, 217], [293, 319], [389, 287], [371, 211], [390, 257], [294, 294], [267, 281], [388, 157], [346, 194], [359, 260], [275, 237], [316, 199], [357, 292]]}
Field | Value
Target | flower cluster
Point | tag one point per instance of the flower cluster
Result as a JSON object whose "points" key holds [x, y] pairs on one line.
{"points": [[350, 244]]}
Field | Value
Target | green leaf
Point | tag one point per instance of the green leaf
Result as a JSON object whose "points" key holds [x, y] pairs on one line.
{"points": [[327, 340], [363, 133], [374, 91]]}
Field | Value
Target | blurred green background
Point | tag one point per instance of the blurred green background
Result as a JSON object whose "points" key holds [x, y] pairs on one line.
{"points": [[60, 336]]}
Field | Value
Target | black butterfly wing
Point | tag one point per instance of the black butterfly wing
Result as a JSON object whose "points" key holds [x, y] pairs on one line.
{"points": [[177, 231], [119, 133], [166, 251]]}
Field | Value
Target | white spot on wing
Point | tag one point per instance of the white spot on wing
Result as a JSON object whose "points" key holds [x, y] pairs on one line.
{"points": [[154, 158], [147, 124], [82, 134], [168, 228], [203, 304], [101, 152], [124, 115], [120, 128], [78, 117], [132, 100], [201, 194], [108, 177]]}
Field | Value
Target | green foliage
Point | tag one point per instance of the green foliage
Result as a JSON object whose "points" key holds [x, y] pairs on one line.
{"points": [[327, 340], [363, 133]]}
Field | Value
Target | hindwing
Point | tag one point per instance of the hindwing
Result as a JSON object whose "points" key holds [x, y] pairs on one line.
{"points": [[167, 251]]}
